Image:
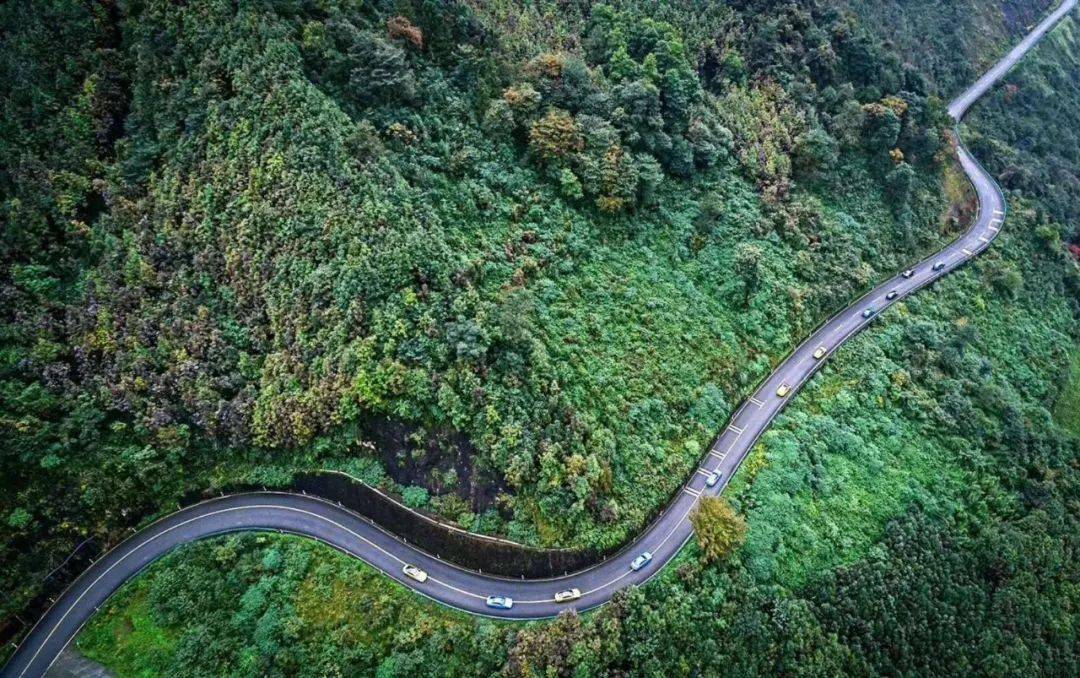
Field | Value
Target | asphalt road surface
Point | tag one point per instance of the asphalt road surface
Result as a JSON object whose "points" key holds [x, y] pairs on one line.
{"points": [[467, 590]]}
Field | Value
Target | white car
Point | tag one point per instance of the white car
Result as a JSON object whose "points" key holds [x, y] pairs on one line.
{"points": [[712, 479], [414, 572], [500, 602], [783, 391], [641, 561], [820, 352], [567, 595]]}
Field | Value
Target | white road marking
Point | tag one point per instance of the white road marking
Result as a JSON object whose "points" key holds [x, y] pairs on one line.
{"points": [[692, 493], [716, 454], [704, 472], [983, 238], [967, 252], [756, 401], [733, 427]]}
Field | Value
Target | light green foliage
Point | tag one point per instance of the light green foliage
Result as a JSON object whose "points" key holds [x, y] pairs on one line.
{"points": [[1067, 409], [718, 529], [308, 610]]}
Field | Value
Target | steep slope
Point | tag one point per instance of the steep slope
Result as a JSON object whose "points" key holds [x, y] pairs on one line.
{"points": [[521, 286]]}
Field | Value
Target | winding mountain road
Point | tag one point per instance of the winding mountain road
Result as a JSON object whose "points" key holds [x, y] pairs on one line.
{"points": [[533, 599]]}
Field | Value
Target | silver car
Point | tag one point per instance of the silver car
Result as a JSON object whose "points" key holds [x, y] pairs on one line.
{"points": [[641, 561], [500, 602]]}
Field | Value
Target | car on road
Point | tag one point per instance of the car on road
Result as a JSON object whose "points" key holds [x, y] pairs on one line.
{"points": [[939, 265], [414, 572], [500, 602], [712, 479], [783, 390], [892, 295], [567, 595], [869, 312], [908, 273], [820, 352], [641, 561]]}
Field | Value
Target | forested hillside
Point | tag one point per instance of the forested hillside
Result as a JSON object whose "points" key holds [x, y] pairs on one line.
{"points": [[1030, 129], [518, 262], [524, 266], [950, 43]]}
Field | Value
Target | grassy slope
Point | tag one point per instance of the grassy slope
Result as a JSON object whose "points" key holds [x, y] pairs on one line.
{"points": [[1067, 410]]}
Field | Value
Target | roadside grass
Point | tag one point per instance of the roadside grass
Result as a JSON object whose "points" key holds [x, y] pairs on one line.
{"points": [[294, 596], [1067, 408], [125, 637]]}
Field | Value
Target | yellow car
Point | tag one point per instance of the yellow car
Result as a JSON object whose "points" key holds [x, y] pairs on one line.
{"points": [[820, 352], [783, 390]]}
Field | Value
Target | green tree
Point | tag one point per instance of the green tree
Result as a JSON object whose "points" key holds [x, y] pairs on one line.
{"points": [[719, 529]]}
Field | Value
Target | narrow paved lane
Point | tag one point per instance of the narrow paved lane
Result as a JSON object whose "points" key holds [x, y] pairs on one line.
{"points": [[467, 590]]}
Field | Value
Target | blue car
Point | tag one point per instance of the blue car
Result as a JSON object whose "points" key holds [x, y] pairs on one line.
{"points": [[500, 602]]}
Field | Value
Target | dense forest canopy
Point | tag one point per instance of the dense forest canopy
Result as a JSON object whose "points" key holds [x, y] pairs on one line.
{"points": [[518, 262]]}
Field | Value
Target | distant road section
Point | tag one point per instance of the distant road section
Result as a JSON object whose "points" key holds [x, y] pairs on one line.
{"points": [[962, 103], [532, 599]]}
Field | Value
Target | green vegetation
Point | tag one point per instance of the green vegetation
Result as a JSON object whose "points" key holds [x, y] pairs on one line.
{"points": [[560, 242], [960, 512], [949, 43], [256, 604], [1029, 129], [255, 237], [1067, 411], [719, 530]]}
